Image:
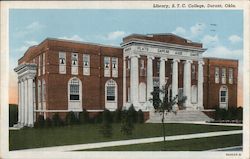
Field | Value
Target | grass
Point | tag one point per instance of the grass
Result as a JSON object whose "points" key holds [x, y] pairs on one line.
{"points": [[89, 133], [197, 144]]}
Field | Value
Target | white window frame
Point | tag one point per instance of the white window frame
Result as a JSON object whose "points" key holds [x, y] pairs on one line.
{"points": [[39, 65], [74, 63], [62, 66], [43, 63], [217, 75], [111, 104], [86, 64], [114, 67], [106, 66], [74, 89], [223, 75], [230, 75], [224, 103]]}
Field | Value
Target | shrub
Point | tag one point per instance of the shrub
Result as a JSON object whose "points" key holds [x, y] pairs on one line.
{"points": [[84, 117], [48, 122], [106, 116], [70, 118], [40, 123], [13, 114], [140, 116], [230, 114], [239, 114], [117, 116], [56, 120], [127, 125], [97, 118], [132, 114]]}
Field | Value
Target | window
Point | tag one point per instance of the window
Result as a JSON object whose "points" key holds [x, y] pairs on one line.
{"points": [[111, 91], [74, 64], [43, 90], [86, 64], [223, 75], [114, 67], [39, 91], [39, 65], [216, 75], [230, 76], [142, 68], [128, 66], [142, 92], [158, 67], [193, 72], [62, 62], [43, 63], [74, 89], [223, 97], [106, 66]]}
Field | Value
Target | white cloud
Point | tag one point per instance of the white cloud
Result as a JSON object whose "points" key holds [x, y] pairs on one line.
{"points": [[26, 45], [197, 29], [224, 52], [234, 39], [35, 26], [179, 31], [114, 35], [74, 37], [31, 28], [208, 39]]}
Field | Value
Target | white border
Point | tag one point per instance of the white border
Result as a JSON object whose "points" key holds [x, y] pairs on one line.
{"points": [[4, 56]]}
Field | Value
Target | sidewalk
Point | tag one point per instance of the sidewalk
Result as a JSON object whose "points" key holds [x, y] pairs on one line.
{"points": [[133, 141]]}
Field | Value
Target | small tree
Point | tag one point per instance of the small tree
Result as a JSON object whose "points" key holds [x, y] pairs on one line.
{"points": [[117, 116], [127, 125], [140, 116], [84, 117], [164, 105], [70, 118], [106, 127], [56, 120], [40, 123], [48, 122]]}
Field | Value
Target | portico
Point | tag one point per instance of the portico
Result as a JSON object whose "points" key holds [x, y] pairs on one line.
{"points": [[175, 54], [26, 74]]}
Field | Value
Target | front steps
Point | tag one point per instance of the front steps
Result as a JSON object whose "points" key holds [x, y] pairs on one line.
{"points": [[179, 116]]}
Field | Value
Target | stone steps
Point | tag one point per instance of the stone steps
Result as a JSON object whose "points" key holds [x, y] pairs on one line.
{"points": [[180, 116]]}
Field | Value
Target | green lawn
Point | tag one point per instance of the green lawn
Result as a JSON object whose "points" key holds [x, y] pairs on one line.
{"points": [[89, 133], [198, 144]]}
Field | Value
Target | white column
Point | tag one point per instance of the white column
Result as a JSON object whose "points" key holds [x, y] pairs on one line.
{"points": [[124, 82], [26, 102], [162, 75], [30, 102], [134, 80], [150, 80], [175, 79], [19, 102], [23, 101], [187, 83], [200, 85]]}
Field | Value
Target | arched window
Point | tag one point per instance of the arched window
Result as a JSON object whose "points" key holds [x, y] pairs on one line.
{"points": [[111, 95], [111, 90], [223, 97], [74, 89]]}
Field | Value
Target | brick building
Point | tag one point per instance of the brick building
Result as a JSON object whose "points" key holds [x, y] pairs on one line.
{"points": [[62, 76]]}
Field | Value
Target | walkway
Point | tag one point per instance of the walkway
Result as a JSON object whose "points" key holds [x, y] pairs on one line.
{"points": [[133, 141]]}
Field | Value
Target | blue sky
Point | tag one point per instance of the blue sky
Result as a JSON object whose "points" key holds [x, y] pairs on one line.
{"points": [[30, 27]]}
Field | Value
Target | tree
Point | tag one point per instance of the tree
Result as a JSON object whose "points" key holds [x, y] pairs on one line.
{"points": [[164, 105], [84, 117], [127, 125], [106, 127]]}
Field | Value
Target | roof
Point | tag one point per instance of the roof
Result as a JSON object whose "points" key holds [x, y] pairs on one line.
{"points": [[163, 37]]}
